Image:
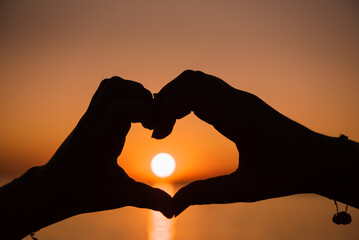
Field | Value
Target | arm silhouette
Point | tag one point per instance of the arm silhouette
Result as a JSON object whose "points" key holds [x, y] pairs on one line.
{"points": [[278, 157], [83, 175]]}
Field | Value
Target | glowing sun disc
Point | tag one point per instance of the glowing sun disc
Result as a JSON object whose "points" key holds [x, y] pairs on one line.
{"points": [[163, 165]]}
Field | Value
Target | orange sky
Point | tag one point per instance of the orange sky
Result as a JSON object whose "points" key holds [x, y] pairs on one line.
{"points": [[300, 57]]}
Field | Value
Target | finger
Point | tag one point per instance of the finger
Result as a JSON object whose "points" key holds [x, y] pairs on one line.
{"points": [[181, 81], [163, 126], [118, 121], [144, 196], [223, 189], [97, 95], [189, 77], [205, 103], [116, 87], [109, 91]]}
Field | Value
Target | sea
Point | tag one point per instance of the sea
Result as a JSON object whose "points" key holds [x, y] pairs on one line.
{"points": [[303, 216]]}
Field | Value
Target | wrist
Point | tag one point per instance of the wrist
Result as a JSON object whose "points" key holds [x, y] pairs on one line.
{"points": [[8, 223], [327, 151], [337, 181], [315, 156], [35, 203]]}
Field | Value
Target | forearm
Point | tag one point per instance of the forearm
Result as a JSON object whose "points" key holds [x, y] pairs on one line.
{"points": [[28, 204]]}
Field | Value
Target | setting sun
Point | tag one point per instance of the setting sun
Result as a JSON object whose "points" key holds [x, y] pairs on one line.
{"points": [[163, 165]]}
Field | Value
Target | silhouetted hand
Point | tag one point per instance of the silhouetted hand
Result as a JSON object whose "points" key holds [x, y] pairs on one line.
{"points": [[278, 156], [83, 175], [85, 166]]}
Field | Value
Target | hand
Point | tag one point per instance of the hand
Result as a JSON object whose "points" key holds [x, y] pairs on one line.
{"points": [[85, 166], [83, 175], [278, 156]]}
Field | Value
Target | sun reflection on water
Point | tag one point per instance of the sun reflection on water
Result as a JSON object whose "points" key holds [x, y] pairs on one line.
{"points": [[159, 227]]}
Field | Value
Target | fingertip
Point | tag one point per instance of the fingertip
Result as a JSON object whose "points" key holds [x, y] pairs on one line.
{"points": [[148, 126], [167, 214], [163, 128], [145, 196], [177, 212], [166, 206], [148, 122], [179, 203], [158, 134]]}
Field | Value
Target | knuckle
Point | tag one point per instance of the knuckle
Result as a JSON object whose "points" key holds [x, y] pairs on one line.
{"points": [[113, 81], [110, 82], [188, 71], [134, 84], [188, 74], [104, 82], [116, 78]]}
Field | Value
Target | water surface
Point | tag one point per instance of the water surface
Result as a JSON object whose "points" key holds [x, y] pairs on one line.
{"points": [[305, 216]]}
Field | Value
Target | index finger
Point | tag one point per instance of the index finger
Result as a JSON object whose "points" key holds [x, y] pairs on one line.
{"points": [[144, 196], [189, 77], [206, 104]]}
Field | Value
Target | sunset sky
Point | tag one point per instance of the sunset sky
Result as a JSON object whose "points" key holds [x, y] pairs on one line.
{"points": [[301, 57]]}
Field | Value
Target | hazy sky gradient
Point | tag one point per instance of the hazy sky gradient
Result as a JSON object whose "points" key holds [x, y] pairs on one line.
{"points": [[301, 57]]}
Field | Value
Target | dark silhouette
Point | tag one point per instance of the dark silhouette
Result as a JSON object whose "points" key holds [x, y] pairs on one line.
{"points": [[278, 157], [83, 175]]}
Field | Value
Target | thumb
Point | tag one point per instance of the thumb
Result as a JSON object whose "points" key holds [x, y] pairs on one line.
{"points": [[118, 122], [144, 196], [223, 189]]}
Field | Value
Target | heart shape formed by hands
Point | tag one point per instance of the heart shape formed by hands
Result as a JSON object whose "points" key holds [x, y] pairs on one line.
{"points": [[278, 156], [273, 149]]}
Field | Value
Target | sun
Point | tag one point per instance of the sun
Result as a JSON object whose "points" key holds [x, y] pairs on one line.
{"points": [[163, 165]]}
